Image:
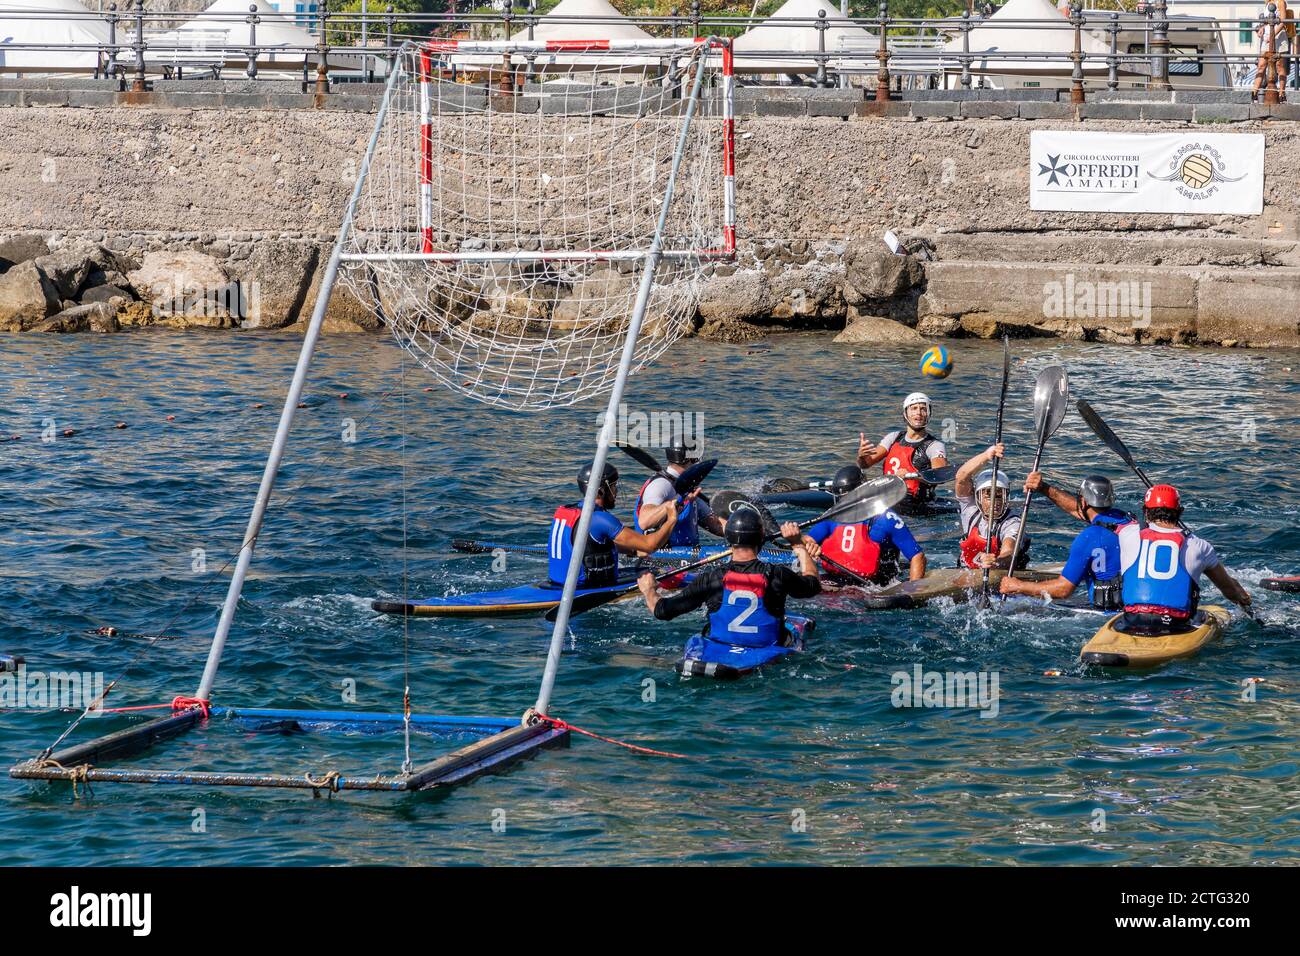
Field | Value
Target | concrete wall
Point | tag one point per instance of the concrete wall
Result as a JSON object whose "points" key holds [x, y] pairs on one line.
{"points": [[216, 173]]}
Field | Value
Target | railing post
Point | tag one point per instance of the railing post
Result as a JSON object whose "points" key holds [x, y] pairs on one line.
{"points": [[1271, 97], [532, 22], [508, 16], [322, 50], [965, 49], [252, 20], [137, 83], [695, 19], [1112, 58], [388, 38], [1160, 47], [820, 25], [1076, 76], [673, 13], [882, 54], [112, 39]]}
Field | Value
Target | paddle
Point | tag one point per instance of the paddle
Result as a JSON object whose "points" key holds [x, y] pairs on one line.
{"points": [[934, 476], [931, 476], [693, 477], [1002, 405], [640, 456], [869, 499], [1112, 441], [1051, 400]]}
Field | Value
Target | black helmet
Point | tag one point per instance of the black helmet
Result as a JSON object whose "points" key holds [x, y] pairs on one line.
{"points": [[678, 453], [584, 476], [1097, 492], [744, 528], [845, 480]]}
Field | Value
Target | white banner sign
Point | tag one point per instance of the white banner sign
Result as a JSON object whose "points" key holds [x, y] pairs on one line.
{"points": [[1189, 172]]}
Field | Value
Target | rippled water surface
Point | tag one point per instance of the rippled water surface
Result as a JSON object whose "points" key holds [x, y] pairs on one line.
{"points": [[806, 763]]}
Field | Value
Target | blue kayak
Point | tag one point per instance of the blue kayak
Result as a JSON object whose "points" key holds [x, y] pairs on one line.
{"points": [[705, 657], [526, 599], [685, 555]]}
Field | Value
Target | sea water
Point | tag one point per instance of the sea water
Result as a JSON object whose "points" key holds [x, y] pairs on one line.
{"points": [[811, 761]]}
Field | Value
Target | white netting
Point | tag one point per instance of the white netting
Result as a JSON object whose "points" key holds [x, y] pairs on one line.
{"points": [[541, 202]]}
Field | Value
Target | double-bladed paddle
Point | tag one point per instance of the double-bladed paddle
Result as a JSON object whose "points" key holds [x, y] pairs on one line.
{"points": [[1002, 405], [869, 499], [683, 484], [931, 476], [1051, 401]]}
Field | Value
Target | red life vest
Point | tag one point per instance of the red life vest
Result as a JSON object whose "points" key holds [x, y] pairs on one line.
{"points": [[975, 544], [851, 546], [906, 457]]}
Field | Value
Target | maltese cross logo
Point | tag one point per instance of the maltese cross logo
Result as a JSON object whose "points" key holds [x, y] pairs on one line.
{"points": [[1053, 169]]}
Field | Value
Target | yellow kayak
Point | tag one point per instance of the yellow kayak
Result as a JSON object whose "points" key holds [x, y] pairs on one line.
{"points": [[1112, 648]]}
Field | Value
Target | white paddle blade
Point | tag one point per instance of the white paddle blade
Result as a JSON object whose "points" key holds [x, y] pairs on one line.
{"points": [[869, 499], [1051, 400]]}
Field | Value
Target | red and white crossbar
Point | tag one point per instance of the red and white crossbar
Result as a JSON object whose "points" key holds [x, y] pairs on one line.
{"points": [[569, 255]]}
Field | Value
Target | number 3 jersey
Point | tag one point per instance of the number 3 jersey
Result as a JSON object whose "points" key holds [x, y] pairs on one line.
{"points": [[745, 601]]}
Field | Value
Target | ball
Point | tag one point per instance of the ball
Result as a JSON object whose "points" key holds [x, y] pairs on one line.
{"points": [[936, 362], [1197, 171]]}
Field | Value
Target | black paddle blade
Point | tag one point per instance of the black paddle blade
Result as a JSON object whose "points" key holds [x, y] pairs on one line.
{"points": [[469, 547], [1103, 431], [694, 476], [937, 476], [640, 456], [726, 502]]}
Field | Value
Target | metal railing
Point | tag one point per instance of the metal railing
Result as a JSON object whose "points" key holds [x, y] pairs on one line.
{"points": [[1088, 48]]}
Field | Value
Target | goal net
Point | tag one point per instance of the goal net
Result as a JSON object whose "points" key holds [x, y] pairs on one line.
{"points": [[525, 204]]}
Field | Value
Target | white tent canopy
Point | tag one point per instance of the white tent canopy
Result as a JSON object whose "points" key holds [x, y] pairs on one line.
{"points": [[547, 28], [992, 36], [52, 22], [844, 38]]}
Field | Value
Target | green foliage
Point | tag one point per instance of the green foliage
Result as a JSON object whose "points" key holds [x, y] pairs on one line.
{"points": [[349, 31]]}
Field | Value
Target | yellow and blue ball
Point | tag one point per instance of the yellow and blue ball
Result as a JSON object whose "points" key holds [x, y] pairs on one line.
{"points": [[936, 362]]}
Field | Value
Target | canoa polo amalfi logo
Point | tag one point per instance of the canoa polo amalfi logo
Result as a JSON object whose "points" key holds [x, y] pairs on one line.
{"points": [[1196, 169]]}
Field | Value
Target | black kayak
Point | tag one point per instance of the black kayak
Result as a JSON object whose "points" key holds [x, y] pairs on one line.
{"points": [[1291, 583]]}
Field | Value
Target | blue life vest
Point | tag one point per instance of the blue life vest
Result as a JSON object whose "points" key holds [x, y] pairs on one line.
{"points": [[686, 533], [599, 561], [1158, 582], [742, 618], [1104, 582]]}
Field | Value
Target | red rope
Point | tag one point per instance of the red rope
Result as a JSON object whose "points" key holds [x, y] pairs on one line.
{"points": [[177, 704], [565, 725]]}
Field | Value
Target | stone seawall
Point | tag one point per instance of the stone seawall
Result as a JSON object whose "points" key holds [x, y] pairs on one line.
{"points": [[261, 192]]}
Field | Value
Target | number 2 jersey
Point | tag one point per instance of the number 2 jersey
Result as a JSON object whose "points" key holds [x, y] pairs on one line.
{"points": [[870, 549], [745, 601]]}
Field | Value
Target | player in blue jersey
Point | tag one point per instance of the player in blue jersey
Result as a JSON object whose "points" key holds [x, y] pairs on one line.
{"points": [[658, 496], [1161, 564], [745, 597], [1094, 555], [871, 549], [607, 536]]}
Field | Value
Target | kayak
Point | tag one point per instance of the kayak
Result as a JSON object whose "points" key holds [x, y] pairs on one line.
{"points": [[955, 583], [682, 554], [808, 498], [527, 599], [1110, 647], [1291, 583], [704, 657]]}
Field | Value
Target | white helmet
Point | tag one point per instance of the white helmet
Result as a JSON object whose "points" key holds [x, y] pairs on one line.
{"points": [[985, 480], [917, 398]]}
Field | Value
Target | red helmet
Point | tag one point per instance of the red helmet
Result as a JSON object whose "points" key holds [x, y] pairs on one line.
{"points": [[1162, 496]]}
